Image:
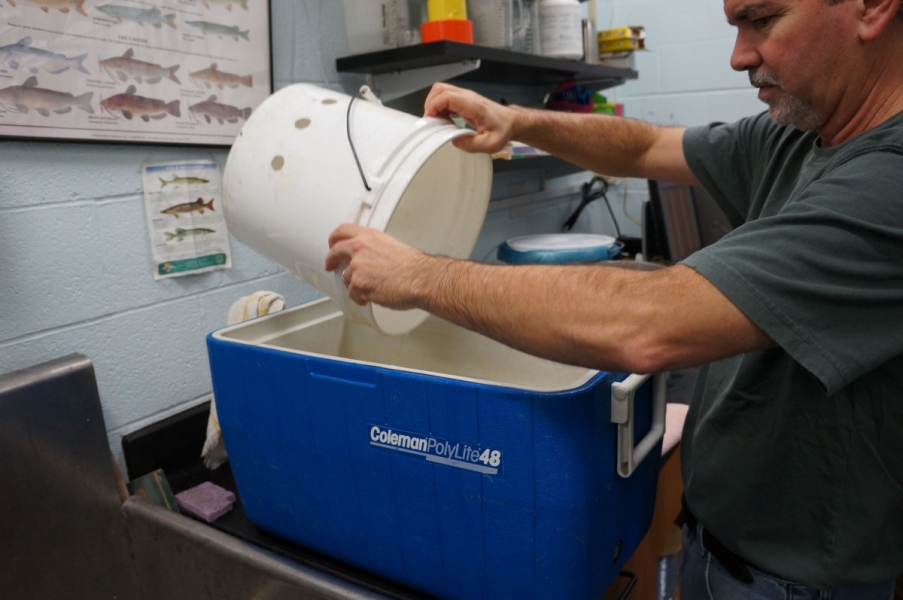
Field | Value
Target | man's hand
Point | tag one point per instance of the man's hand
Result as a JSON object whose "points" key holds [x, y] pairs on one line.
{"points": [[493, 122], [378, 268]]}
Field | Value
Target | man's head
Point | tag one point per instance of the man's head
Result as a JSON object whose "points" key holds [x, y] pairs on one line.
{"points": [[804, 55]]}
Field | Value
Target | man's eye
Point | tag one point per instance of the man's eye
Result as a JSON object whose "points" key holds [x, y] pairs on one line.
{"points": [[762, 22]]}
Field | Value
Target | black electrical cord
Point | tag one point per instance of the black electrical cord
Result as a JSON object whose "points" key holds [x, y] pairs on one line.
{"points": [[588, 196]]}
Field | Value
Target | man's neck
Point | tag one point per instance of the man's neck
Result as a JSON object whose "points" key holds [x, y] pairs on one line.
{"points": [[869, 100]]}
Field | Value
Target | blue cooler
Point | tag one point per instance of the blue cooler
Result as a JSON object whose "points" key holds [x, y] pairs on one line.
{"points": [[440, 459]]}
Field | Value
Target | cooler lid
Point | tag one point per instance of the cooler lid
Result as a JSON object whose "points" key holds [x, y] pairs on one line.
{"points": [[558, 248]]}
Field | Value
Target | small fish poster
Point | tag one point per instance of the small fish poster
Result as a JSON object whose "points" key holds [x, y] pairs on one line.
{"points": [[185, 218], [149, 71]]}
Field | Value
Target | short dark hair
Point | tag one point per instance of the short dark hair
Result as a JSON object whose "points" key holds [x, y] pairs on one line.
{"points": [[899, 8]]}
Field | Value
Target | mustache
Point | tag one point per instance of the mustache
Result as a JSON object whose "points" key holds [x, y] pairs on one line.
{"points": [[760, 77]]}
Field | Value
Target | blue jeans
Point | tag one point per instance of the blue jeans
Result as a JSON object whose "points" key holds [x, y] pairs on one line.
{"points": [[703, 578]]}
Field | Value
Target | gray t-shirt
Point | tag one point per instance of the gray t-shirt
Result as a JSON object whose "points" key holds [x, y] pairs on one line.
{"points": [[793, 456]]}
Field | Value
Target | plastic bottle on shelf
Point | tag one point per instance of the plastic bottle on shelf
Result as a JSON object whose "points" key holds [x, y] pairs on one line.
{"points": [[492, 22], [561, 29], [373, 25]]}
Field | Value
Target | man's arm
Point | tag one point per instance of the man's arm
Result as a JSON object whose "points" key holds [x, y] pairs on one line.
{"points": [[595, 316], [600, 143]]}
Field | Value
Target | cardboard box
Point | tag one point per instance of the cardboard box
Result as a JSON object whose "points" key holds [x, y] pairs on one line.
{"points": [[623, 33], [622, 45], [620, 60]]}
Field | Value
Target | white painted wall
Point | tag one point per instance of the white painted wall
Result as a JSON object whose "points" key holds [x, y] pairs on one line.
{"points": [[75, 262], [685, 74]]}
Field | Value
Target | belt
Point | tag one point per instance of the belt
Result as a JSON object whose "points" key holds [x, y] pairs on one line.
{"points": [[733, 564]]}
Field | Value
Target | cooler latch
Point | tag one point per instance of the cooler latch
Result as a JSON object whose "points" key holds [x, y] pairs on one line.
{"points": [[622, 394]]}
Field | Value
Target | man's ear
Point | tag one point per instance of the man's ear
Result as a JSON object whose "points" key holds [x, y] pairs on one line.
{"points": [[874, 16]]}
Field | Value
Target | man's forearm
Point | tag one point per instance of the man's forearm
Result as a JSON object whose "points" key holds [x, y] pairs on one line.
{"points": [[617, 319], [604, 144]]}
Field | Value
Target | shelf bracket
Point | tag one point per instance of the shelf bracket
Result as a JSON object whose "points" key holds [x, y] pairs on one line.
{"points": [[389, 86], [602, 84]]}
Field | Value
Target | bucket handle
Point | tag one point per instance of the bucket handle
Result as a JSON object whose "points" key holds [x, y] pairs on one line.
{"points": [[368, 95], [622, 396], [351, 142]]}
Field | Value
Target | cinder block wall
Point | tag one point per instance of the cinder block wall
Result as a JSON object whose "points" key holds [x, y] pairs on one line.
{"points": [[75, 272], [685, 74]]}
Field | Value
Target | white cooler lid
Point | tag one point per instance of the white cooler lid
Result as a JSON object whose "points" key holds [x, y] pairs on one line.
{"points": [[558, 248]]}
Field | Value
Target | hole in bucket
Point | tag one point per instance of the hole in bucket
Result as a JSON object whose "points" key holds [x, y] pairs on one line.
{"points": [[617, 552], [330, 101], [302, 123], [277, 163]]}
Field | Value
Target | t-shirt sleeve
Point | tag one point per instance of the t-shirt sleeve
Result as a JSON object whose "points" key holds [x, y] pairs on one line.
{"points": [[824, 276], [716, 149]]}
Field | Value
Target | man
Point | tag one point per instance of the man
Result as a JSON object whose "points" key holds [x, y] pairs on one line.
{"points": [[793, 447]]}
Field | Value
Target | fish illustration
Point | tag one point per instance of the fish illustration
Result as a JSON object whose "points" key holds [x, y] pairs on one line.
{"points": [[180, 234], [62, 5], [23, 54], [28, 96], [228, 3], [189, 207], [219, 30], [176, 180], [130, 105], [210, 108], [213, 76], [125, 66], [150, 16]]}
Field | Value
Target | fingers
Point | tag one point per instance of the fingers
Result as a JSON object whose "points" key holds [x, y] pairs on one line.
{"points": [[355, 292], [482, 142], [374, 266], [340, 250], [357, 295], [437, 101], [493, 123], [343, 232], [445, 100]]}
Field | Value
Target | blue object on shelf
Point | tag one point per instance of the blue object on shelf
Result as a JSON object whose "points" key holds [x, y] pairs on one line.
{"points": [[494, 479], [560, 248]]}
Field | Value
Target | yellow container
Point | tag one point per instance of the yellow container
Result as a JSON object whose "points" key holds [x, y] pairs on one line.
{"points": [[621, 45], [445, 10], [622, 33]]}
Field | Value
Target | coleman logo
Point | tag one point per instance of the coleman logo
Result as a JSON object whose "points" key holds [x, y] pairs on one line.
{"points": [[454, 454]]}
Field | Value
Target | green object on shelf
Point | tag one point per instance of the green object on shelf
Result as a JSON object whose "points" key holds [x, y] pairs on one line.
{"points": [[155, 488]]}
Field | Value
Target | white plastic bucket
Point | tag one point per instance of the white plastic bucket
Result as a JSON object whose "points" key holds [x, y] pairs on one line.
{"points": [[292, 177]]}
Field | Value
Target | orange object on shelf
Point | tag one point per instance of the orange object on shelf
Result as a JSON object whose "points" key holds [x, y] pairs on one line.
{"points": [[456, 30]]}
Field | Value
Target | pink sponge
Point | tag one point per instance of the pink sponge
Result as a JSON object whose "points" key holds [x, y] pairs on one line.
{"points": [[207, 501]]}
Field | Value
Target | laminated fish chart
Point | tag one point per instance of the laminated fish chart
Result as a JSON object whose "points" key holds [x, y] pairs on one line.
{"points": [[154, 71], [185, 218]]}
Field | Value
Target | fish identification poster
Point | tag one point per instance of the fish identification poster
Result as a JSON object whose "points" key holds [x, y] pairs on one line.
{"points": [[184, 215], [153, 71]]}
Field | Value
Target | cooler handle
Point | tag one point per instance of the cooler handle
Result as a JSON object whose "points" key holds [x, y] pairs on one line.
{"points": [[622, 394]]}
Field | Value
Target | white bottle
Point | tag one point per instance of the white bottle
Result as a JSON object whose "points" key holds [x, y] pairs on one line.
{"points": [[560, 29]]}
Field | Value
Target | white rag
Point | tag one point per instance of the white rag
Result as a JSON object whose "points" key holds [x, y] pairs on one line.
{"points": [[258, 304], [675, 415]]}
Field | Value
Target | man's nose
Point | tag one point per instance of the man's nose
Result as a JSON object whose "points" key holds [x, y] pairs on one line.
{"points": [[745, 57]]}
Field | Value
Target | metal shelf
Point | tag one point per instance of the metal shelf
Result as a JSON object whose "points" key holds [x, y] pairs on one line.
{"points": [[551, 166], [397, 71]]}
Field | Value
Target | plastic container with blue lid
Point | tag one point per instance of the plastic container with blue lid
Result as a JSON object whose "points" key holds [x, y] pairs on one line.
{"points": [[559, 248]]}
